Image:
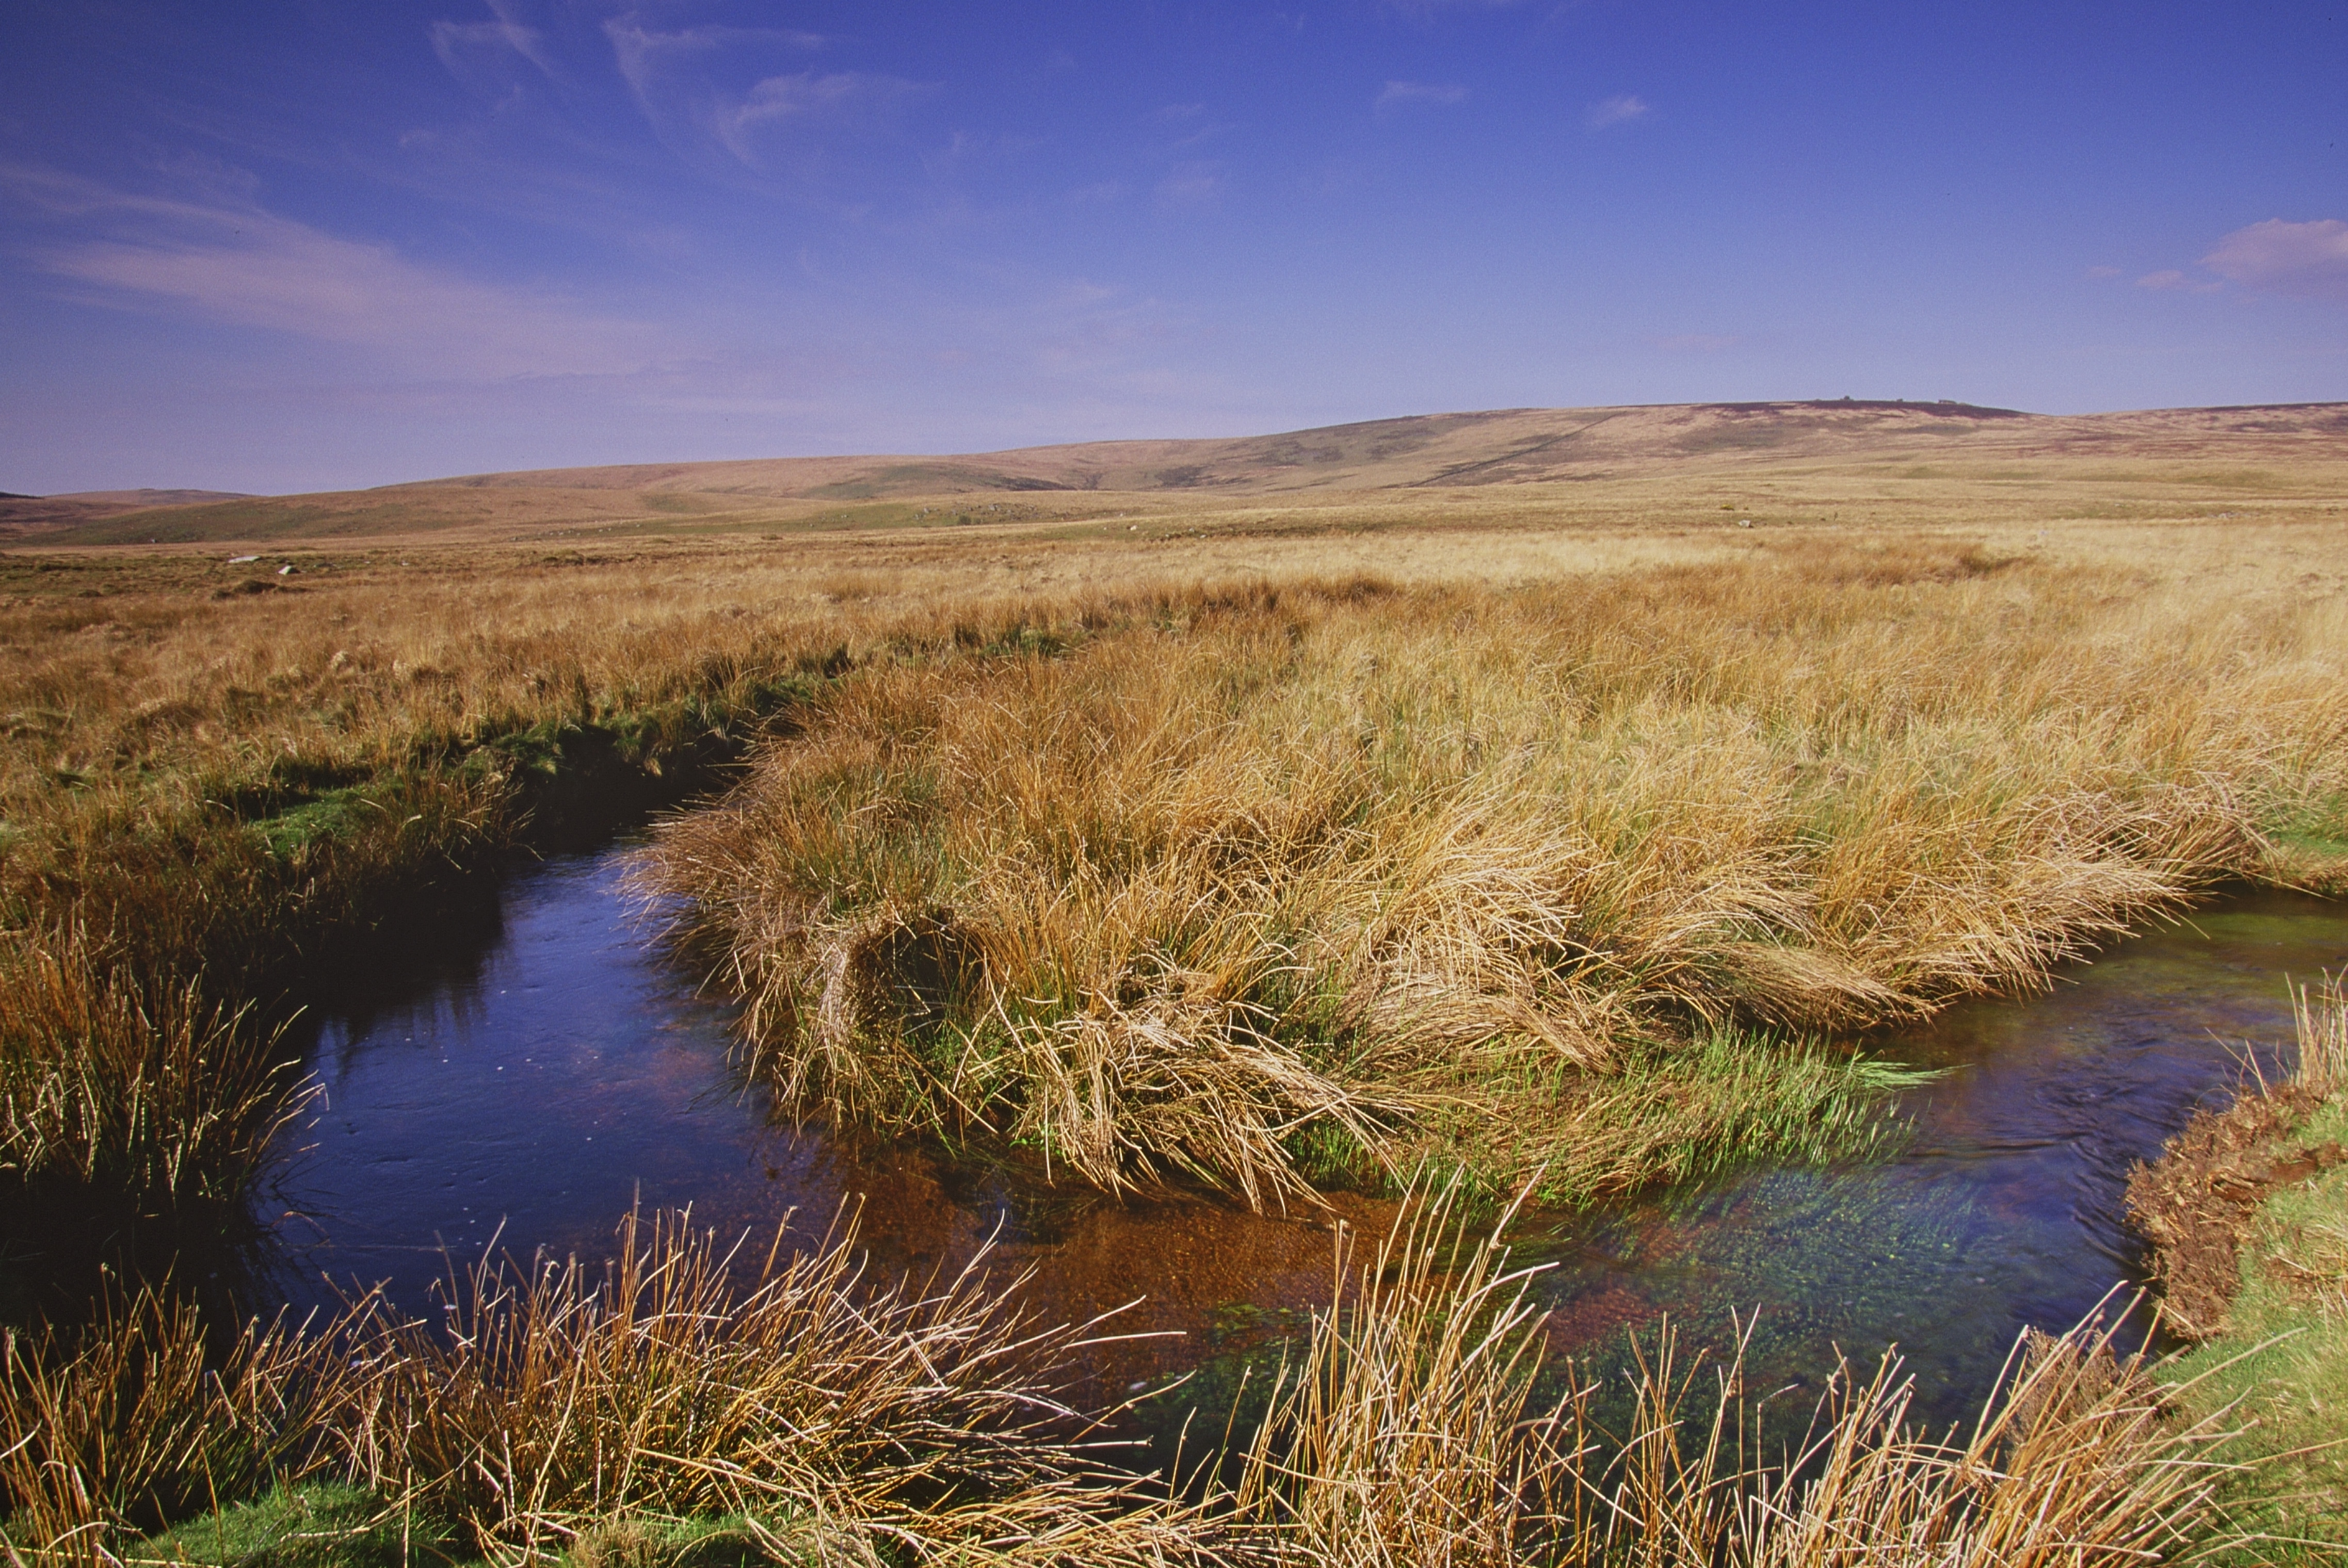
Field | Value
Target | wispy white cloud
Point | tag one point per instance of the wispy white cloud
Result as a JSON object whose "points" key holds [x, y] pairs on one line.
{"points": [[239, 264], [462, 46], [1192, 185], [2306, 259], [775, 114], [1408, 95], [787, 123], [2169, 280], [1620, 109], [1185, 124], [643, 53]]}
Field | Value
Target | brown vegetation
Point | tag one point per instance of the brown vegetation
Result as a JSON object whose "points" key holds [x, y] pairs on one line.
{"points": [[1408, 1435], [1770, 462], [1222, 883]]}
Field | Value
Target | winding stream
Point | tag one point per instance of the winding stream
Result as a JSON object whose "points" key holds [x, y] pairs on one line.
{"points": [[544, 1069]]}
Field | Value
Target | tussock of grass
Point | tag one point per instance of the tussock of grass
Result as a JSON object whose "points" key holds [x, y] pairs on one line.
{"points": [[1338, 856], [166, 1101], [831, 1416], [551, 1399]]}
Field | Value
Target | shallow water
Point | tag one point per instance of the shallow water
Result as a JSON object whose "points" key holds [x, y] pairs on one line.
{"points": [[544, 1069], [2005, 1209]]}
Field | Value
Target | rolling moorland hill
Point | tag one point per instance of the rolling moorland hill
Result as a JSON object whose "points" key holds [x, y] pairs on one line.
{"points": [[23, 515], [1613, 451]]}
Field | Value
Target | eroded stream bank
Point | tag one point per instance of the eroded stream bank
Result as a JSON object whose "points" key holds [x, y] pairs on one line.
{"points": [[538, 1074]]}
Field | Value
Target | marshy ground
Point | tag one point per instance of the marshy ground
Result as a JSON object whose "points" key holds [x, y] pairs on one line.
{"points": [[1528, 835]]}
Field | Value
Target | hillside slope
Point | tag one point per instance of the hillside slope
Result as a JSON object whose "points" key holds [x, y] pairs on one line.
{"points": [[24, 517], [1450, 452]]}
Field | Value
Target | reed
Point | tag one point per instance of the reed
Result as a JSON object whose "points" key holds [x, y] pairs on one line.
{"points": [[2320, 1014], [139, 1419], [910, 1418], [1408, 1434], [166, 1101], [783, 1403]]}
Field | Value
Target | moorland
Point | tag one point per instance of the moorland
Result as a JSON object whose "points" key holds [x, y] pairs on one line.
{"points": [[1249, 818]]}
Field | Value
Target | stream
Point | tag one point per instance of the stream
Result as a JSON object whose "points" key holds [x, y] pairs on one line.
{"points": [[523, 1079]]}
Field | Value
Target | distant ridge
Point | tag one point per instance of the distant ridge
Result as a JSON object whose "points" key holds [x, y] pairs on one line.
{"points": [[1461, 452], [21, 515]]}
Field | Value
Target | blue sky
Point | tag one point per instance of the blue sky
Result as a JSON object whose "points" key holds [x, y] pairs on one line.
{"points": [[302, 245]]}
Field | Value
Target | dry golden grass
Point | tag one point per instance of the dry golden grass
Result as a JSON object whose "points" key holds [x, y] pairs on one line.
{"points": [[1407, 1435], [1211, 871], [1874, 465], [915, 1415], [859, 1421], [221, 783], [138, 1421]]}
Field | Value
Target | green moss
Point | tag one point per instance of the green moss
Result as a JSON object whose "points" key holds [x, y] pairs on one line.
{"points": [[319, 1526], [331, 1525]]}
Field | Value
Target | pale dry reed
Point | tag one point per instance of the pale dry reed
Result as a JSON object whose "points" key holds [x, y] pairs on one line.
{"points": [[915, 1417], [1407, 1435], [139, 1420]]}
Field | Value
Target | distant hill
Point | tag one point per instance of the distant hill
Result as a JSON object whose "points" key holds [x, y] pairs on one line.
{"points": [[1428, 451], [23, 516]]}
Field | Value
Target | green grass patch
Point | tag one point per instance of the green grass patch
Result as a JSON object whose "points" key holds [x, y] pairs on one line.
{"points": [[1731, 1098], [329, 1524], [2283, 1366], [321, 1524]]}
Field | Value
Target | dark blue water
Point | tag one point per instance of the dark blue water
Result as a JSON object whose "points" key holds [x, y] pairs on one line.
{"points": [[533, 1078]]}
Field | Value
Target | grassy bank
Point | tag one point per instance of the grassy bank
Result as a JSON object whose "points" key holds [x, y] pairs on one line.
{"points": [[212, 797], [1286, 883], [2247, 1211]]}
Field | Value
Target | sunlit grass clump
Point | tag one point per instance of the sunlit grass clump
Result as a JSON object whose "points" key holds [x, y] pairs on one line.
{"points": [[1251, 886]]}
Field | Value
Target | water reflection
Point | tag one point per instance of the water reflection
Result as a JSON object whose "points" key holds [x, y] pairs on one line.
{"points": [[543, 1069]]}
